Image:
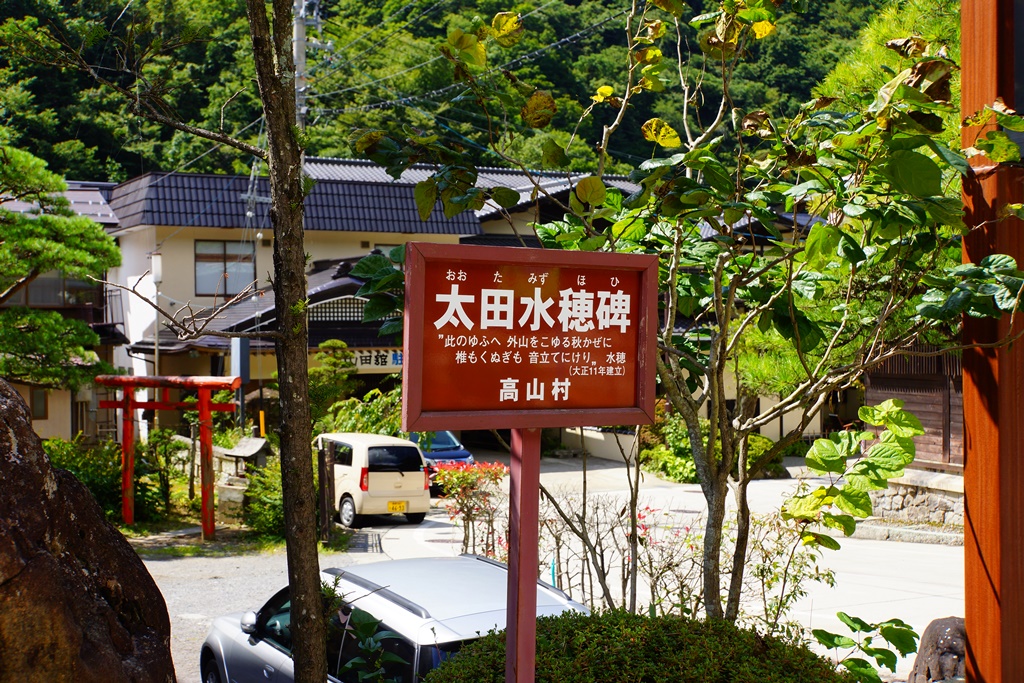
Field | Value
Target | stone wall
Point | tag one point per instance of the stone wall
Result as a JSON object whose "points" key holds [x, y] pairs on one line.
{"points": [[922, 497]]}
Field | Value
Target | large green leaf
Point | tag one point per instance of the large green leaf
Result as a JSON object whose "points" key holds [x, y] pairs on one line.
{"points": [[372, 266], [553, 155], [824, 457], [806, 506], [890, 454], [949, 308], [914, 173], [902, 638], [891, 415], [855, 624], [833, 641], [862, 669], [632, 228], [883, 656], [844, 523], [425, 195], [591, 190], [849, 250], [854, 501], [814, 539], [505, 197], [378, 307], [822, 243], [999, 263]]}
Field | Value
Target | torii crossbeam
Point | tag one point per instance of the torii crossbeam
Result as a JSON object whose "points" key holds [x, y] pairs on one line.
{"points": [[205, 386]]}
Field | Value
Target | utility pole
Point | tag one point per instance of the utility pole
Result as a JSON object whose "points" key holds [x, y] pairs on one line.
{"points": [[299, 56]]}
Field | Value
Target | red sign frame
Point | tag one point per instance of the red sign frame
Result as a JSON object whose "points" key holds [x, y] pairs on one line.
{"points": [[602, 344]]}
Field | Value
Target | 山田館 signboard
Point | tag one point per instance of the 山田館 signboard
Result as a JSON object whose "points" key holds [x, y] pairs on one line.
{"points": [[510, 337]]}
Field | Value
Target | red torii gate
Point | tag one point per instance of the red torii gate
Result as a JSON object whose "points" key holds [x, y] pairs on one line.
{"points": [[205, 386]]}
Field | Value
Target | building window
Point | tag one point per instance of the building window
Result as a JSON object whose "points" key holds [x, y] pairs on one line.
{"points": [[224, 268], [55, 290], [39, 406]]}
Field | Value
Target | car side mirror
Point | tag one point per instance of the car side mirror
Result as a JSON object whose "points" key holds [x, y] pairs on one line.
{"points": [[249, 622]]}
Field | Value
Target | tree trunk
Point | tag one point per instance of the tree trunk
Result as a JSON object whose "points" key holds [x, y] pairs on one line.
{"points": [[715, 493], [275, 74], [739, 555]]}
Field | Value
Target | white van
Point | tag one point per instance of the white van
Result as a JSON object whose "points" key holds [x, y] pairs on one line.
{"points": [[377, 475]]}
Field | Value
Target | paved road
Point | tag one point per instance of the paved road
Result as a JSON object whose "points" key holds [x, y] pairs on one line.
{"points": [[876, 580]]}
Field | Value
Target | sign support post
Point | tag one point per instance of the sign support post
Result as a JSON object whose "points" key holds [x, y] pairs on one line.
{"points": [[525, 339], [524, 505]]}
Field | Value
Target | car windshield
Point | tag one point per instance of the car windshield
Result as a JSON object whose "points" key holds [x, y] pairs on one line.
{"points": [[441, 441], [394, 459]]}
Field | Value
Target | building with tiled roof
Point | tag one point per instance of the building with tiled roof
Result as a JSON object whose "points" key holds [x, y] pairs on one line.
{"points": [[214, 239]]}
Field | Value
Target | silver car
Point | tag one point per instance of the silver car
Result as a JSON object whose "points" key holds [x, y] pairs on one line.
{"points": [[431, 605]]}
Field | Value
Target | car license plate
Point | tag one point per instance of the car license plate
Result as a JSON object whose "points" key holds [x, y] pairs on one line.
{"points": [[396, 506]]}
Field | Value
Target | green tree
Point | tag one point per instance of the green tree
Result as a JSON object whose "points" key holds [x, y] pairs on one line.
{"points": [[136, 50], [333, 379], [375, 65], [829, 239], [43, 347]]}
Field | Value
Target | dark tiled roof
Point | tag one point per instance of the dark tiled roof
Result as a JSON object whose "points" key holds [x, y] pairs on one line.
{"points": [[363, 170], [497, 240], [86, 199], [91, 199], [219, 201], [350, 195]]}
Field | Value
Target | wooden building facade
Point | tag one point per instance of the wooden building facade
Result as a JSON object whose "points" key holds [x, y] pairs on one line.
{"points": [[931, 387]]}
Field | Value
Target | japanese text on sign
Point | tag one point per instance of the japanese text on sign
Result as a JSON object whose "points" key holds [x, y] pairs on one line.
{"points": [[535, 337]]}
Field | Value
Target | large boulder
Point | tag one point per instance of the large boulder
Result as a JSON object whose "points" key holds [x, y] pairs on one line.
{"points": [[76, 602], [942, 652]]}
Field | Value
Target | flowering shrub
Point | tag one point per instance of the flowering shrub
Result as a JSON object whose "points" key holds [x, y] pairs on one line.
{"points": [[471, 498]]}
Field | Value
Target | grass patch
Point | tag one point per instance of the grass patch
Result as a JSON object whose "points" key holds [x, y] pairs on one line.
{"points": [[166, 544]]}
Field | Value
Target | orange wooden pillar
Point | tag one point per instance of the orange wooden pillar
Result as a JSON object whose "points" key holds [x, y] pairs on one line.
{"points": [[206, 462], [993, 380], [128, 456]]}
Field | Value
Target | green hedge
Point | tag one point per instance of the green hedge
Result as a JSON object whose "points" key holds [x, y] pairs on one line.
{"points": [[618, 647], [99, 468], [666, 450], [263, 510]]}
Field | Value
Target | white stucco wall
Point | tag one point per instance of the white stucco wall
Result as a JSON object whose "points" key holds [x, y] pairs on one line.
{"points": [[58, 413]]}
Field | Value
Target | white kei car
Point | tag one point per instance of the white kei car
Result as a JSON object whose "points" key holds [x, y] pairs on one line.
{"points": [[377, 475]]}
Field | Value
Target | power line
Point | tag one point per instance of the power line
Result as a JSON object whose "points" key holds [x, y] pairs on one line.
{"points": [[382, 79], [518, 61], [409, 69], [334, 68]]}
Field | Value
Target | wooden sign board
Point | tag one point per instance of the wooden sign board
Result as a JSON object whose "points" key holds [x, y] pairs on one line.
{"points": [[503, 337]]}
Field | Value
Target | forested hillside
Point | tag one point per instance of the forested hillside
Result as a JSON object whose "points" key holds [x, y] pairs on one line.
{"points": [[378, 64]]}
